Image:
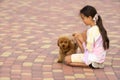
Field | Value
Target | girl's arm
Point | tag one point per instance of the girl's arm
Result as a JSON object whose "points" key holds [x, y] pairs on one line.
{"points": [[82, 36], [80, 39], [85, 41]]}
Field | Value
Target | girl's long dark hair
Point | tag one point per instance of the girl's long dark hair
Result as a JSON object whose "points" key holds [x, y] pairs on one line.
{"points": [[91, 11]]}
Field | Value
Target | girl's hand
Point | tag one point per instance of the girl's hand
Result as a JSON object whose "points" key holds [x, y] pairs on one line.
{"points": [[75, 35], [79, 36]]}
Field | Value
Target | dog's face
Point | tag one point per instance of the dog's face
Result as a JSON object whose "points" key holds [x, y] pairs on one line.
{"points": [[64, 42]]}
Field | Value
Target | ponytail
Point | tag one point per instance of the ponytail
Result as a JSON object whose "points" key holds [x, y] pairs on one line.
{"points": [[103, 33]]}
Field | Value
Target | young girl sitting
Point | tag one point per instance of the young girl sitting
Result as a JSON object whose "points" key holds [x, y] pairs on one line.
{"points": [[93, 43]]}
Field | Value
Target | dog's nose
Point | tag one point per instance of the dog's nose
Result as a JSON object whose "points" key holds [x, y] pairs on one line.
{"points": [[63, 45]]}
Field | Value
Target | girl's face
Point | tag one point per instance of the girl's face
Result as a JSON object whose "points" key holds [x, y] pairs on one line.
{"points": [[86, 20]]}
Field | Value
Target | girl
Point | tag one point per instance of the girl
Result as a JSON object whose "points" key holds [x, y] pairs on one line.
{"points": [[93, 43]]}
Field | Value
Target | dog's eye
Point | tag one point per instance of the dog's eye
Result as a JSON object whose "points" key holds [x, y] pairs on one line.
{"points": [[61, 42]]}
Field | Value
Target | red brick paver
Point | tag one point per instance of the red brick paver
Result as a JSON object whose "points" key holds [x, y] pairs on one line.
{"points": [[28, 39]]}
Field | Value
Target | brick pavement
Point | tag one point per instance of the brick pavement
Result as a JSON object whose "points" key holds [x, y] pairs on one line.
{"points": [[28, 34]]}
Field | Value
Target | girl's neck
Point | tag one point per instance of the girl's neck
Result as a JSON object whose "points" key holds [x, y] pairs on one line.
{"points": [[92, 24]]}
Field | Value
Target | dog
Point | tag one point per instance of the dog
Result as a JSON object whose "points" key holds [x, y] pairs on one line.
{"points": [[67, 46]]}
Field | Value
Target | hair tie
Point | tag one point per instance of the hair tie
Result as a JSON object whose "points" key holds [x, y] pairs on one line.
{"points": [[95, 18]]}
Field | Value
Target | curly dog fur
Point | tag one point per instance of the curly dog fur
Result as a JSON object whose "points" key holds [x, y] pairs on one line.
{"points": [[67, 46]]}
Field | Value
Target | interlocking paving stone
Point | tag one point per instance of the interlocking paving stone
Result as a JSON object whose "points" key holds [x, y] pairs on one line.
{"points": [[29, 30], [79, 75], [4, 78]]}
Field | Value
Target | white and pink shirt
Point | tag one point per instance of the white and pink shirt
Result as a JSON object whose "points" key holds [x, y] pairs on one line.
{"points": [[94, 51]]}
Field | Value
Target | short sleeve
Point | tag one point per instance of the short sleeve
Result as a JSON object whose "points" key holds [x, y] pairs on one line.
{"points": [[90, 40]]}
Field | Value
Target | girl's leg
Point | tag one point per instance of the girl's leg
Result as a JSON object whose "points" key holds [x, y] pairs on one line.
{"points": [[76, 63], [84, 35], [78, 38], [80, 45]]}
